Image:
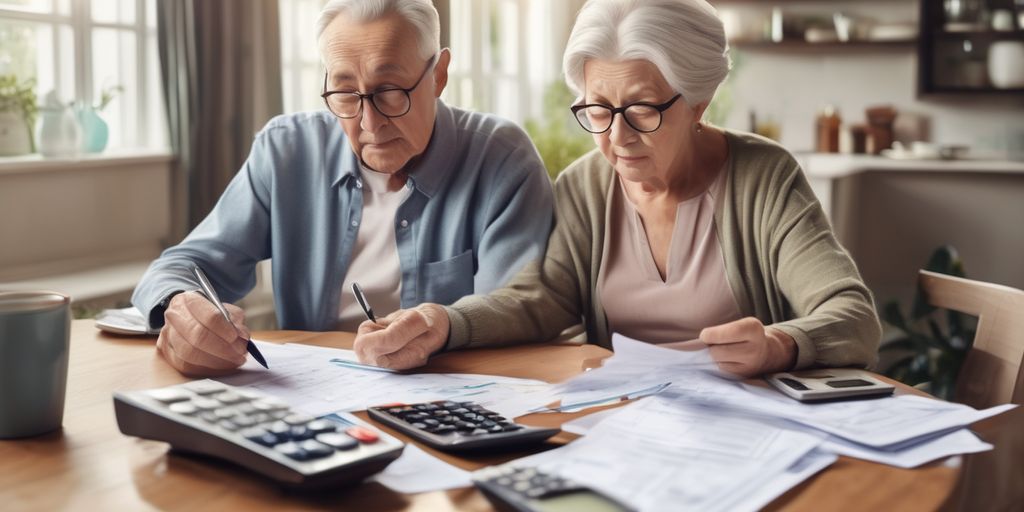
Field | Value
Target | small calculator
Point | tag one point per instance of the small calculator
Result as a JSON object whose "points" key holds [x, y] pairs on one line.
{"points": [[453, 426], [829, 384], [518, 489], [258, 432]]}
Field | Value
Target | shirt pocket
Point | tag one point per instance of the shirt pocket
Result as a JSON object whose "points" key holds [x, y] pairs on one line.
{"points": [[447, 281]]}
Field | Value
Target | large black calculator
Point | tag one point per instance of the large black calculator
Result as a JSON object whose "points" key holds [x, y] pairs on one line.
{"points": [[453, 426]]}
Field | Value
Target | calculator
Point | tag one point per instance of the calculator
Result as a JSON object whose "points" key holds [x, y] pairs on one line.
{"points": [[258, 432], [829, 384], [518, 489], [454, 426]]}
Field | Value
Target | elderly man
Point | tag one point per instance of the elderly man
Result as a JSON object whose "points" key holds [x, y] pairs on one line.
{"points": [[388, 187]]}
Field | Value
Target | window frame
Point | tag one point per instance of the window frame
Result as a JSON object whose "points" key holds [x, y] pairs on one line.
{"points": [[77, 16]]}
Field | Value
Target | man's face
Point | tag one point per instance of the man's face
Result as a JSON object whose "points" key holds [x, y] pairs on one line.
{"points": [[368, 57]]}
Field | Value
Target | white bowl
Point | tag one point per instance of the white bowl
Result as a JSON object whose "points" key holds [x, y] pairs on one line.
{"points": [[1006, 64]]}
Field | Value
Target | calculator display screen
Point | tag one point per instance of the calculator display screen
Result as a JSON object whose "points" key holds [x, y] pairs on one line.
{"points": [[575, 502], [848, 383]]}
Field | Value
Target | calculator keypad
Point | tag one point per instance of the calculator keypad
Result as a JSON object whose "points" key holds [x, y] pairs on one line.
{"points": [[454, 425], [263, 420]]}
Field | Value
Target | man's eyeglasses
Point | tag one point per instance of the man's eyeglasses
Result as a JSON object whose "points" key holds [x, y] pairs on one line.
{"points": [[642, 117], [390, 102]]}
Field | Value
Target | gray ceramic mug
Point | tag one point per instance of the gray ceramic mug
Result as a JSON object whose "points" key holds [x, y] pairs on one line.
{"points": [[34, 334]]}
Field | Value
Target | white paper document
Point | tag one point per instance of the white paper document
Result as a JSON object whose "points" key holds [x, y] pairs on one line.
{"points": [[637, 369], [954, 443], [658, 455], [417, 471], [319, 380]]}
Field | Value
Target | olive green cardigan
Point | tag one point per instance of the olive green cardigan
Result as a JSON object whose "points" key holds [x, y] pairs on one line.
{"points": [[784, 264]]}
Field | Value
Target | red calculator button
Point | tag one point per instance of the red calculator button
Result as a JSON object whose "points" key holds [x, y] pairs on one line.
{"points": [[363, 435]]}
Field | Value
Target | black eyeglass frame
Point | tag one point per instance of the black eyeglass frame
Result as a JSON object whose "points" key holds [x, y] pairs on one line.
{"points": [[371, 95], [661, 108]]}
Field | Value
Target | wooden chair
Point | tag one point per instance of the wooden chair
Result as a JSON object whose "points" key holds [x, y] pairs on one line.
{"points": [[991, 374]]}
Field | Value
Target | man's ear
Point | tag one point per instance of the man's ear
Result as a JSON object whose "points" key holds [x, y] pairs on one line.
{"points": [[441, 71]]}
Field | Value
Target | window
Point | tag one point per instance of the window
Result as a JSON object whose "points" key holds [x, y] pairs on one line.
{"points": [[83, 48], [301, 72]]}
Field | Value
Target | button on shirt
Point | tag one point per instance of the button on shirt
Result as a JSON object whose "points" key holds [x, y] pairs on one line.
{"points": [[479, 209], [375, 265]]}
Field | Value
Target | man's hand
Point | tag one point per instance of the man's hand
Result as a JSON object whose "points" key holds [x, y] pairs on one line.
{"points": [[404, 339], [197, 341], [749, 349]]}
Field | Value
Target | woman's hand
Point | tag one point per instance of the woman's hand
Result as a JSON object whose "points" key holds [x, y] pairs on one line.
{"points": [[404, 339], [749, 349]]}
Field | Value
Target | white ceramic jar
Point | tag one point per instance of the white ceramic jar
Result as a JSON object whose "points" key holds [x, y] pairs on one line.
{"points": [[1006, 64]]}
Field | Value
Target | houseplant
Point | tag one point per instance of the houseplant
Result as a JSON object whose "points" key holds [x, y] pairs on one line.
{"points": [[559, 141], [17, 115], [929, 356]]}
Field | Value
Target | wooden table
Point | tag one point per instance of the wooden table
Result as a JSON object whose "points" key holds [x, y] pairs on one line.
{"points": [[90, 465]]}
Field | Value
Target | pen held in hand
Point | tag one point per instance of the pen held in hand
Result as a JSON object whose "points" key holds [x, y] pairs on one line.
{"points": [[363, 303], [211, 295]]}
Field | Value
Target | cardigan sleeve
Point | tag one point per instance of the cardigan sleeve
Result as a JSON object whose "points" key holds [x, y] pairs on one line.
{"points": [[832, 316], [541, 300]]}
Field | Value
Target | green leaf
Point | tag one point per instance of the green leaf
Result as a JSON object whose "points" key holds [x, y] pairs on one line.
{"points": [[893, 316]]}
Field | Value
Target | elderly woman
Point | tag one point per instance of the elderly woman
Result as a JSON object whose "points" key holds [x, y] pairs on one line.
{"points": [[672, 229]]}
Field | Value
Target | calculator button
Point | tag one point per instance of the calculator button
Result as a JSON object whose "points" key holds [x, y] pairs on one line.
{"points": [[363, 434], [292, 450], [316, 449], [444, 430], [209, 416], [261, 417], [279, 428], [246, 409], [278, 414], [205, 404], [261, 436], [229, 398], [186, 408], [243, 421], [338, 441], [169, 395], [300, 432], [267, 405], [298, 419], [227, 425], [226, 412], [205, 387]]}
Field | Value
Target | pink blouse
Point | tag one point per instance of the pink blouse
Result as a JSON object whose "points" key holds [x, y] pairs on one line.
{"points": [[695, 292]]}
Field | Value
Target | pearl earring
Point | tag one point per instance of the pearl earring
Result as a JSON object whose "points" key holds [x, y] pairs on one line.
{"points": [[698, 127]]}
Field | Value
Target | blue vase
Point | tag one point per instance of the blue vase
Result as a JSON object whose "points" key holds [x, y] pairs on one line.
{"points": [[94, 130]]}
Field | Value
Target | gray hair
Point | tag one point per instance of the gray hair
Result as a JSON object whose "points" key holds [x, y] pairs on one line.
{"points": [[420, 13], [684, 39]]}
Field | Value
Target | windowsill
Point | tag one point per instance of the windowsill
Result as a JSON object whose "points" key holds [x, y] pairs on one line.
{"points": [[97, 283], [36, 162]]}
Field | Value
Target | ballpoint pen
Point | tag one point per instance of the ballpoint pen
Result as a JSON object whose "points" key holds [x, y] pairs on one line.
{"points": [[211, 295], [363, 303]]}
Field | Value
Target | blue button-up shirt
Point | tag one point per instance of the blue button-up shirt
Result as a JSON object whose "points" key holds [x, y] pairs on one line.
{"points": [[480, 210]]}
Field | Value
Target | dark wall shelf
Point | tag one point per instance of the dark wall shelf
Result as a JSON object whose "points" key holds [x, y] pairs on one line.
{"points": [[946, 66]]}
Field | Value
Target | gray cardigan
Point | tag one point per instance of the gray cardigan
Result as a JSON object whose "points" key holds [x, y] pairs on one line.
{"points": [[783, 263]]}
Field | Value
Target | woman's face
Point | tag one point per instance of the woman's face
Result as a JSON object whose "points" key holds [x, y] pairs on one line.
{"points": [[637, 156]]}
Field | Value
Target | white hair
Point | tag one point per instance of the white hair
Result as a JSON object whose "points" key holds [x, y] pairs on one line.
{"points": [[420, 13], [684, 39]]}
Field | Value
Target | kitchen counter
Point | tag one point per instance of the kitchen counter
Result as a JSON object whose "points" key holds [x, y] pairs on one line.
{"points": [[833, 166]]}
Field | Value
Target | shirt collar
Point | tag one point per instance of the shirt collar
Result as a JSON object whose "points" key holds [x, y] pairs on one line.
{"points": [[432, 167]]}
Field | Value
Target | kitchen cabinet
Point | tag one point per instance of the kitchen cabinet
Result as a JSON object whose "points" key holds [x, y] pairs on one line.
{"points": [[954, 43]]}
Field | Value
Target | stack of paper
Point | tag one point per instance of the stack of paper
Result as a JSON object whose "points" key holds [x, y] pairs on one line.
{"points": [[319, 380], [655, 452], [904, 431]]}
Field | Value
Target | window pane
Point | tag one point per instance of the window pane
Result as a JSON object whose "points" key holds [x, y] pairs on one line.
{"points": [[113, 11], [26, 51], [28, 5], [114, 65], [156, 113]]}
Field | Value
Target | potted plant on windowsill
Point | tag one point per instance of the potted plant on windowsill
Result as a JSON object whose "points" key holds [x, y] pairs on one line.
{"points": [[18, 110]]}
